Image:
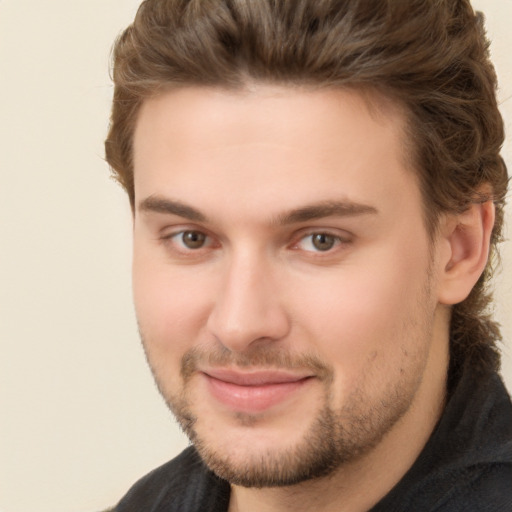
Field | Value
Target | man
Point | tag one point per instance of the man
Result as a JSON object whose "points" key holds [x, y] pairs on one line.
{"points": [[316, 189]]}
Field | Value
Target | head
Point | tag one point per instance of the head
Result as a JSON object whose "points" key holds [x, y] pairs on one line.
{"points": [[423, 65], [430, 58]]}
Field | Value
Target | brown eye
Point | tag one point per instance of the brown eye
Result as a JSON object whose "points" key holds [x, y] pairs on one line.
{"points": [[193, 239], [323, 241]]}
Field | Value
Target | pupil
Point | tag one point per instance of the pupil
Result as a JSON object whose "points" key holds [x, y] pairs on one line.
{"points": [[193, 239], [323, 242]]}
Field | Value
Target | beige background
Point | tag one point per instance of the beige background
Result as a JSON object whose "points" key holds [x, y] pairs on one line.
{"points": [[80, 419]]}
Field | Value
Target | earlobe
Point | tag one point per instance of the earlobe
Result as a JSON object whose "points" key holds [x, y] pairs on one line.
{"points": [[467, 238]]}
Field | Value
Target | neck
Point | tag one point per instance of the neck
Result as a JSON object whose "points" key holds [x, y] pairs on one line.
{"points": [[359, 485]]}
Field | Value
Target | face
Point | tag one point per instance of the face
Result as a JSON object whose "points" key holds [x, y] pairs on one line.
{"points": [[284, 282]]}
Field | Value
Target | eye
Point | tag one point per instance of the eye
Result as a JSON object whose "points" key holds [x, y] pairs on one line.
{"points": [[319, 242], [188, 240], [323, 241], [192, 239]]}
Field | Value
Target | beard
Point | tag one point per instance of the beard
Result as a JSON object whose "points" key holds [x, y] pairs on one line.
{"points": [[334, 437]]}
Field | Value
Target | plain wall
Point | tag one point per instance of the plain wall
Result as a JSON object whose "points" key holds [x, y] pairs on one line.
{"points": [[80, 418]]}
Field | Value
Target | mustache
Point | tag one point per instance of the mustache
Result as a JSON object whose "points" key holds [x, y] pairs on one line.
{"points": [[258, 357]]}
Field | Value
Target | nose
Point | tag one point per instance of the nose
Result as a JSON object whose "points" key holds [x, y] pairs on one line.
{"points": [[248, 308]]}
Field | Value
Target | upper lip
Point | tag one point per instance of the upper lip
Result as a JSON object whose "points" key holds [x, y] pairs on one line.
{"points": [[255, 377]]}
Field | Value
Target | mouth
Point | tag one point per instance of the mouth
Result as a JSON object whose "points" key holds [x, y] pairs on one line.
{"points": [[253, 391]]}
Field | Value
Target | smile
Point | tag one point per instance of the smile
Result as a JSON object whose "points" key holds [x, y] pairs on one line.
{"points": [[253, 392]]}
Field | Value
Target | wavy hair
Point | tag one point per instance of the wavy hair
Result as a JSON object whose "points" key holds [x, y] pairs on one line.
{"points": [[430, 56]]}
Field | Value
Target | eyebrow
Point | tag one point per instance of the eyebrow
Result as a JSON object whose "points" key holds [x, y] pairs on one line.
{"points": [[158, 204], [325, 209]]}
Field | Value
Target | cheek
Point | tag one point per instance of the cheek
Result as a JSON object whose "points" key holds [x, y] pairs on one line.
{"points": [[171, 307], [368, 314]]}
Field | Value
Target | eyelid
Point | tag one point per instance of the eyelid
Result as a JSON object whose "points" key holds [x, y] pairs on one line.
{"points": [[172, 230], [342, 237], [168, 235]]}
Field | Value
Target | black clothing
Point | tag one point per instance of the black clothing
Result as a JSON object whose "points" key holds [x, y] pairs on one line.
{"points": [[466, 466]]}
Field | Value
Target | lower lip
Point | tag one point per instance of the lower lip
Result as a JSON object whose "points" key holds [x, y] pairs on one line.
{"points": [[252, 399]]}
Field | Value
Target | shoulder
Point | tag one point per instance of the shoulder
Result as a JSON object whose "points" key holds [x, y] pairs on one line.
{"points": [[478, 486], [466, 465], [486, 487], [182, 484]]}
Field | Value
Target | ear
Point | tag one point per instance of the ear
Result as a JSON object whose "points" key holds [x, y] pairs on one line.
{"points": [[465, 239]]}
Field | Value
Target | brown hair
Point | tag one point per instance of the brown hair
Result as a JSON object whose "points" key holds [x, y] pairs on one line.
{"points": [[430, 56]]}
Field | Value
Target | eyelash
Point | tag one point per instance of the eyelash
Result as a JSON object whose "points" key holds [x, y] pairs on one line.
{"points": [[176, 237], [168, 239], [337, 240]]}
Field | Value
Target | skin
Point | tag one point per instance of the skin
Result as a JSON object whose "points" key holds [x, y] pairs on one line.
{"points": [[360, 313]]}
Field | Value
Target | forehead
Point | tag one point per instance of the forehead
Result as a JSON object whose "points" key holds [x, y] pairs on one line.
{"points": [[269, 146]]}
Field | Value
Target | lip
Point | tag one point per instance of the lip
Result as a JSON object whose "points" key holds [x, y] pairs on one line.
{"points": [[253, 391]]}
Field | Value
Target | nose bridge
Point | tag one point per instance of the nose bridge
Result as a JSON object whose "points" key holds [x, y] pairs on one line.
{"points": [[248, 307]]}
